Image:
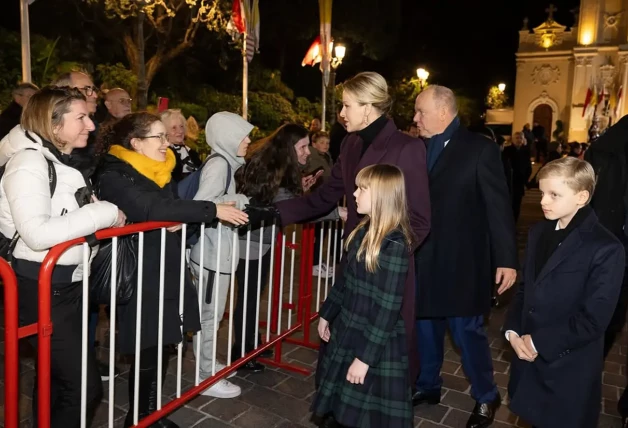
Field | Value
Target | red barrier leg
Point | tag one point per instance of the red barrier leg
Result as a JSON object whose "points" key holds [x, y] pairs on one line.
{"points": [[11, 352], [44, 332]]}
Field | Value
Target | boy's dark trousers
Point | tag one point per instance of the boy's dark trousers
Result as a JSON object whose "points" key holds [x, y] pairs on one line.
{"points": [[65, 356]]}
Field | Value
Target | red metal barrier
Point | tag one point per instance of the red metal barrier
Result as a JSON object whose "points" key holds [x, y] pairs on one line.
{"points": [[11, 352], [44, 328]]}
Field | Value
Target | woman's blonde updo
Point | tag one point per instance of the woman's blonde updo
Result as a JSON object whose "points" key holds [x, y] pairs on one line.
{"points": [[370, 88]]}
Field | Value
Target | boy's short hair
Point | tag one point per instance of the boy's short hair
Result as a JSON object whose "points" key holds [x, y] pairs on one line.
{"points": [[317, 136], [578, 174]]}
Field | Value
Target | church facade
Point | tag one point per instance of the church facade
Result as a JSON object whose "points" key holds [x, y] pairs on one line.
{"points": [[576, 75]]}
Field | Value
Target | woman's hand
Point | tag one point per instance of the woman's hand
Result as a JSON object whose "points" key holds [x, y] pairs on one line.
{"points": [[174, 228], [357, 372], [323, 329], [121, 220], [309, 180], [343, 213], [229, 213]]}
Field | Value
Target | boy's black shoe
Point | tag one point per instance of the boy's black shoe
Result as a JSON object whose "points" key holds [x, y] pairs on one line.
{"points": [[425, 397], [484, 414], [253, 367], [330, 422]]}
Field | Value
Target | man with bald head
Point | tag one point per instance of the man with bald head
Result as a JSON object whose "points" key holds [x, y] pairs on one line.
{"points": [[84, 83], [118, 103], [471, 247]]}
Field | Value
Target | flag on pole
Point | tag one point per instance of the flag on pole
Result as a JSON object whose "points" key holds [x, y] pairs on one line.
{"points": [[587, 100], [252, 22], [313, 54], [237, 15], [619, 102], [325, 7]]}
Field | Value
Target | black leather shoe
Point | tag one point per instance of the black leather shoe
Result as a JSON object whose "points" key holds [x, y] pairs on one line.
{"points": [[253, 367], [484, 414], [425, 397]]}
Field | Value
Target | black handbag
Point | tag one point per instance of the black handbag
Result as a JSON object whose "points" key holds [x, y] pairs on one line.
{"points": [[126, 278]]}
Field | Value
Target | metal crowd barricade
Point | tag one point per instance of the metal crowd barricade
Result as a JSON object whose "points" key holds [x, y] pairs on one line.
{"points": [[279, 322]]}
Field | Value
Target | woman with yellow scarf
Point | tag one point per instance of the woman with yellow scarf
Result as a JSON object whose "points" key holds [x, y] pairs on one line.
{"points": [[136, 175]]}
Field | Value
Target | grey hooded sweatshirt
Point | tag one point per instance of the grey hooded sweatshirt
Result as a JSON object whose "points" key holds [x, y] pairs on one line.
{"points": [[224, 132]]}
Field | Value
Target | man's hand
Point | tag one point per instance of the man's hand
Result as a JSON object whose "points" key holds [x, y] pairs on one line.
{"points": [[357, 372], [505, 278]]}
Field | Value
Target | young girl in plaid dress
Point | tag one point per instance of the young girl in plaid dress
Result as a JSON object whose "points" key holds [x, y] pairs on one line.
{"points": [[364, 372]]}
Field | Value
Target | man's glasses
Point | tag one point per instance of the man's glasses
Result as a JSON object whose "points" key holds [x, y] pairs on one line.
{"points": [[88, 91], [162, 137]]}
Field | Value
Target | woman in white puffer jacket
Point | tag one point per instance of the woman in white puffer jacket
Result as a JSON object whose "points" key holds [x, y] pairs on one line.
{"points": [[46, 202]]}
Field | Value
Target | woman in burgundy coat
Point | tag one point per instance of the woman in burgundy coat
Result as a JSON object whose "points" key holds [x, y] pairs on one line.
{"points": [[372, 139]]}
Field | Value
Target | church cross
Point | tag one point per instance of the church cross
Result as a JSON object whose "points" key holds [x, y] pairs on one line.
{"points": [[550, 10]]}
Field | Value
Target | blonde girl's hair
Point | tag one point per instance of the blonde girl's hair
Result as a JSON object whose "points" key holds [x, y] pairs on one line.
{"points": [[389, 211]]}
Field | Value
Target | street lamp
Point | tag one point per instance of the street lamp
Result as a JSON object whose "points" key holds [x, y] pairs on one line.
{"points": [[501, 87], [422, 74], [339, 54]]}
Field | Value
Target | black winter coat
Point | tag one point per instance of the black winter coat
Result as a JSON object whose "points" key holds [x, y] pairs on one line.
{"points": [[565, 310], [473, 230], [142, 200]]}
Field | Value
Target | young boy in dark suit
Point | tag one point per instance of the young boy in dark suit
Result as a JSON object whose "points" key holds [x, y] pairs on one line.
{"points": [[572, 277]]}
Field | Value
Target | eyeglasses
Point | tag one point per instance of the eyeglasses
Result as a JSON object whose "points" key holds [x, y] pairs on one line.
{"points": [[88, 90], [162, 137]]}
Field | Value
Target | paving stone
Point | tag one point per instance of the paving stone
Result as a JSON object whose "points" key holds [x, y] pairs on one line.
{"points": [[450, 367], [210, 422], [255, 417], [455, 382], [304, 355], [186, 417], [614, 380], [607, 421], [225, 409], [434, 413], [458, 400], [278, 403], [268, 378], [424, 423], [297, 388]]}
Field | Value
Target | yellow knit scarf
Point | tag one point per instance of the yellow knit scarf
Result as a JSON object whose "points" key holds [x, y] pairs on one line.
{"points": [[158, 172]]}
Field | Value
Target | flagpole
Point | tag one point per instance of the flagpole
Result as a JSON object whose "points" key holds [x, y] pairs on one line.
{"points": [[324, 109], [245, 81], [26, 42]]}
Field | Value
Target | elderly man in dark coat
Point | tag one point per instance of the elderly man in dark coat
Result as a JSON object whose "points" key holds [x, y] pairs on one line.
{"points": [[472, 232], [11, 115], [372, 139]]}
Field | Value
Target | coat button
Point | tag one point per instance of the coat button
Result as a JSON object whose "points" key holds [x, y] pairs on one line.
{"points": [[531, 310]]}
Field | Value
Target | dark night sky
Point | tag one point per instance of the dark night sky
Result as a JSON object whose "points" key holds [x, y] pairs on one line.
{"points": [[464, 44]]}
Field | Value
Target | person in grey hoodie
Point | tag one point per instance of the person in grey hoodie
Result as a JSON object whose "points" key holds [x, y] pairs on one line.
{"points": [[228, 136], [273, 172]]}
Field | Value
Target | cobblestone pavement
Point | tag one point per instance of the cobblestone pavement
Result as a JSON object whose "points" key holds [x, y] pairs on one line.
{"points": [[278, 398]]}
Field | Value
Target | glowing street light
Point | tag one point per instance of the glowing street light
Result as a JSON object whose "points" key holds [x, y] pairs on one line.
{"points": [[422, 74], [501, 87]]}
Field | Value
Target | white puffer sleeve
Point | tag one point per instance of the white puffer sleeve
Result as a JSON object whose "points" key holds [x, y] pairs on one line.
{"points": [[26, 186]]}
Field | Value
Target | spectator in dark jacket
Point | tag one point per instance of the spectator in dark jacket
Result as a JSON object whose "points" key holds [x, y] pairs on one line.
{"points": [[136, 175], [337, 134], [11, 115], [518, 155]]}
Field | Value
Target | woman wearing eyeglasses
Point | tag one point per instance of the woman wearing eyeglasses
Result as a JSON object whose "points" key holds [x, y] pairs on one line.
{"points": [[136, 174]]}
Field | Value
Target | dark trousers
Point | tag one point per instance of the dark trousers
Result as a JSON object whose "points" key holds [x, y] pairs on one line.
{"points": [[65, 356], [251, 302], [469, 335], [517, 196]]}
